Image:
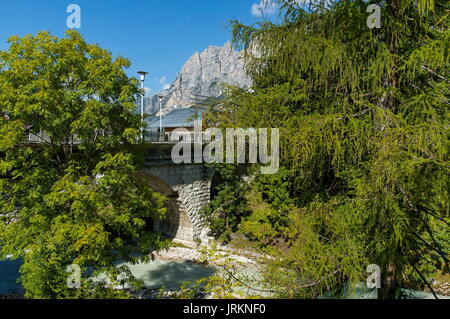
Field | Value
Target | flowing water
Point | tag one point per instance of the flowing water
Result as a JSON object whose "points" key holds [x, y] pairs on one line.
{"points": [[155, 274], [9, 272], [172, 275], [169, 274]]}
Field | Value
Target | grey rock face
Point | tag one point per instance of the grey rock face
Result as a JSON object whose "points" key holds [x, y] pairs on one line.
{"points": [[202, 74]]}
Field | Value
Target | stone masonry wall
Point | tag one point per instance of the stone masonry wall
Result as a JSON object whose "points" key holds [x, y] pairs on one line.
{"points": [[191, 183]]}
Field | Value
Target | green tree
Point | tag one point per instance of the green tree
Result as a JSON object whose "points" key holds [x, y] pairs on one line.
{"points": [[74, 198], [228, 205], [364, 121]]}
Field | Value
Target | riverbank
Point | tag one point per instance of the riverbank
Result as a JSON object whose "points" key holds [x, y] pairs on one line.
{"points": [[174, 267]]}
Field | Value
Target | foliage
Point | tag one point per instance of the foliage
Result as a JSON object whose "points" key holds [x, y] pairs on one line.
{"points": [[229, 280], [225, 211], [276, 190], [325, 251], [188, 290], [259, 226], [75, 197], [363, 117]]}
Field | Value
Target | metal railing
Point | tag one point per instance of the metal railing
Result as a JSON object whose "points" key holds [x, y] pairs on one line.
{"points": [[42, 137], [150, 137], [172, 137], [37, 138]]}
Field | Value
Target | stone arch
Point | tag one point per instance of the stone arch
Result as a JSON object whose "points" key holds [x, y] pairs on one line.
{"points": [[191, 186], [177, 223]]}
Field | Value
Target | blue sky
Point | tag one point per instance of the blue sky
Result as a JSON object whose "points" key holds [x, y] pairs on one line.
{"points": [[158, 36]]}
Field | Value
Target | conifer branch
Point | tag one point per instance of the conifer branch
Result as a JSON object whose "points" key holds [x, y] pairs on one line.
{"points": [[435, 74], [354, 115], [424, 279]]}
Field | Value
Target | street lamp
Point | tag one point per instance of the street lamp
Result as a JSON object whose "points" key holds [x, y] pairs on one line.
{"points": [[142, 78], [160, 98]]}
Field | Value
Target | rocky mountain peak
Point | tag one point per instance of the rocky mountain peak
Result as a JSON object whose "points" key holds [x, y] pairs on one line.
{"points": [[202, 74]]}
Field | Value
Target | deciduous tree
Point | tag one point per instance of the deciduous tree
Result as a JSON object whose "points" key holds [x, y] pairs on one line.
{"points": [[73, 198]]}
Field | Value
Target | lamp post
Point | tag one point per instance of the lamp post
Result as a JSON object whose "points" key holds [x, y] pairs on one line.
{"points": [[142, 78], [160, 118]]}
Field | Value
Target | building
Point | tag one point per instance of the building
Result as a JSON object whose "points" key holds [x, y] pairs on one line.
{"points": [[185, 118]]}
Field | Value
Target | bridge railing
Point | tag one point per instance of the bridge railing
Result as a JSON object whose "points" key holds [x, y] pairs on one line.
{"points": [[43, 137], [37, 138], [172, 137], [150, 137]]}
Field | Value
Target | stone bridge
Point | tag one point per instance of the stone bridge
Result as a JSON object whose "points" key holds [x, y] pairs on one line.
{"points": [[187, 188]]}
